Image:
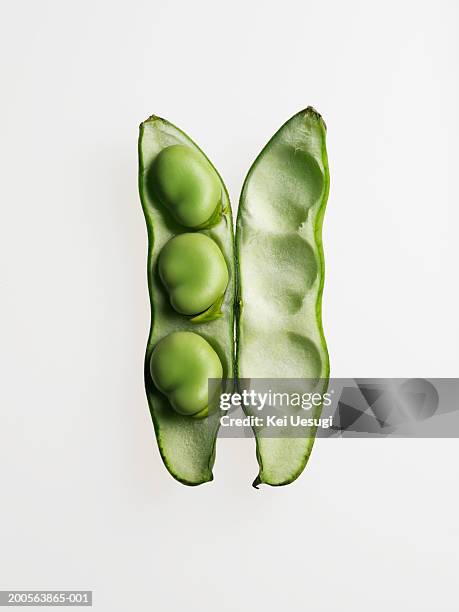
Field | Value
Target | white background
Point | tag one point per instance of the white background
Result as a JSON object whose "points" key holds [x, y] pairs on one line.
{"points": [[85, 500]]}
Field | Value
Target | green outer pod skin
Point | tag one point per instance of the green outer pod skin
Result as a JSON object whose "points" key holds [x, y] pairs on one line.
{"points": [[281, 276], [187, 445]]}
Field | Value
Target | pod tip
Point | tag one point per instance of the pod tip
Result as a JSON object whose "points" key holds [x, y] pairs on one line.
{"points": [[151, 118], [310, 111]]}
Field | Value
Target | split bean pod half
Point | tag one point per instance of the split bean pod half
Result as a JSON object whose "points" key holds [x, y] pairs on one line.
{"points": [[281, 277], [191, 285], [192, 271]]}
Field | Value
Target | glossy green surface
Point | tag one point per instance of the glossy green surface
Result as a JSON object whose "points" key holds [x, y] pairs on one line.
{"points": [[180, 366], [187, 444], [281, 276], [194, 272], [187, 185]]}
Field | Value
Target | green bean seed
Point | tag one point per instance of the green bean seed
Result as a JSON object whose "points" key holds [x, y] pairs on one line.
{"points": [[194, 271], [181, 365], [187, 186]]}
